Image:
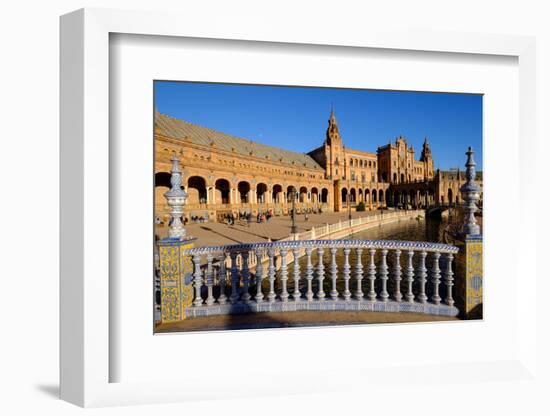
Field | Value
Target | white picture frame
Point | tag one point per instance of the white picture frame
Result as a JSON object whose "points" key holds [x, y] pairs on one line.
{"points": [[87, 356]]}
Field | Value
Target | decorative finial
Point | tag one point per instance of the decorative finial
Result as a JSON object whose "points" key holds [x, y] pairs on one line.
{"points": [[176, 198], [470, 194]]}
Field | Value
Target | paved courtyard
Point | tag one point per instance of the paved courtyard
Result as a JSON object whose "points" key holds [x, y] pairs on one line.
{"points": [[212, 233], [295, 319]]}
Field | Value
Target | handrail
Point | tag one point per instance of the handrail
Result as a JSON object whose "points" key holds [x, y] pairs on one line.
{"points": [[365, 244]]}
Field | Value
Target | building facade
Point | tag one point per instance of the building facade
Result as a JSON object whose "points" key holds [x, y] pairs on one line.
{"points": [[226, 175]]}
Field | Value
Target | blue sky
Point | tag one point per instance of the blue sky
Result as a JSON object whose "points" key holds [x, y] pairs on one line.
{"points": [[295, 118]]}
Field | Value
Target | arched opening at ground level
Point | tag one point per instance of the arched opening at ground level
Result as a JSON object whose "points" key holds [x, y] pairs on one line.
{"points": [[261, 193], [222, 191], [352, 196], [303, 194], [277, 194], [196, 189], [324, 195], [314, 195], [243, 189]]}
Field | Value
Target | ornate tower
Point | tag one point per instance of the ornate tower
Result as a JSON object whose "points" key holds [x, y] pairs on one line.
{"points": [[427, 159], [334, 149]]}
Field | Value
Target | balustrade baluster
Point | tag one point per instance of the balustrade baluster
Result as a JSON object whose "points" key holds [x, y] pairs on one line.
{"points": [[347, 293], [197, 280], [384, 295], [271, 268], [309, 274], [333, 273], [296, 295], [359, 274], [234, 278], [284, 275], [422, 274], [436, 279], [409, 297], [259, 276], [222, 279], [449, 280], [320, 274], [245, 297], [397, 276], [210, 279], [372, 275]]}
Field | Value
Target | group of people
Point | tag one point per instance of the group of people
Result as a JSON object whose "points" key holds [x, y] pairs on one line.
{"points": [[196, 218]]}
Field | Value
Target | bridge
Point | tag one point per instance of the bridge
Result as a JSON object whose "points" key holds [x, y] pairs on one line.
{"points": [[334, 275]]}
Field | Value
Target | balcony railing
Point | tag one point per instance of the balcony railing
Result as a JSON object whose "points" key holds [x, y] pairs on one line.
{"points": [[371, 275]]}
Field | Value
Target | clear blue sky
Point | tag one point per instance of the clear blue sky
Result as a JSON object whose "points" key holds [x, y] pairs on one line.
{"points": [[295, 118]]}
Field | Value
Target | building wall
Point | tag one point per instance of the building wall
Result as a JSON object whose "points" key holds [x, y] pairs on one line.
{"points": [[221, 182]]}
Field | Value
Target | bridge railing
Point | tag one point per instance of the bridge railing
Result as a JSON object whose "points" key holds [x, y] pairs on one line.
{"points": [[238, 279]]}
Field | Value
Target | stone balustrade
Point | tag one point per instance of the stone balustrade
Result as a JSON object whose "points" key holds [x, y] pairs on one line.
{"points": [[373, 275]]}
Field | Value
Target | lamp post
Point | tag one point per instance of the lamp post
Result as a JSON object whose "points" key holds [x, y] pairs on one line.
{"points": [[293, 228]]}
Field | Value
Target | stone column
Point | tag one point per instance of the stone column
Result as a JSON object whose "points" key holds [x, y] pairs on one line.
{"points": [[470, 284]]}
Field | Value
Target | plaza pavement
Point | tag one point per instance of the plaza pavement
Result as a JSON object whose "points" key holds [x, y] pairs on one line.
{"points": [[295, 319], [212, 233]]}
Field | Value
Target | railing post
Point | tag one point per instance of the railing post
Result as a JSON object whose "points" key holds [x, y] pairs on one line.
{"points": [[359, 274], [409, 297], [320, 274], [347, 293], [234, 278], [422, 274], [384, 295], [259, 276], [210, 279], [245, 297], [197, 280], [436, 274], [222, 276], [397, 276], [271, 270], [309, 275], [333, 273], [372, 275], [296, 294], [449, 280], [284, 275]]}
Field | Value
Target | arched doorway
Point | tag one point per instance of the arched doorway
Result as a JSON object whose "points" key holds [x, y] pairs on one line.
{"points": [[324, 195], [314, 195], [196, 188], [303, 194], [352, 196], [244, 192], [261, 193], [381, 196], [277, 194], [450, 196], [374, 199], [222, 190], [344, 196]]}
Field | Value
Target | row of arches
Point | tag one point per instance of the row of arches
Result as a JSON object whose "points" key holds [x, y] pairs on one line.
{"points": [[367, 196], [223, 193]]}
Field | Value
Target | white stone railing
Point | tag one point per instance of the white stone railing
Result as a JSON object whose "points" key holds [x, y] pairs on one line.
{"points": [[231, 282]]}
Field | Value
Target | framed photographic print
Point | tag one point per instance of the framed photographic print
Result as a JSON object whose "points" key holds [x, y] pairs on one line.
{"points": [[245, 212]]}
